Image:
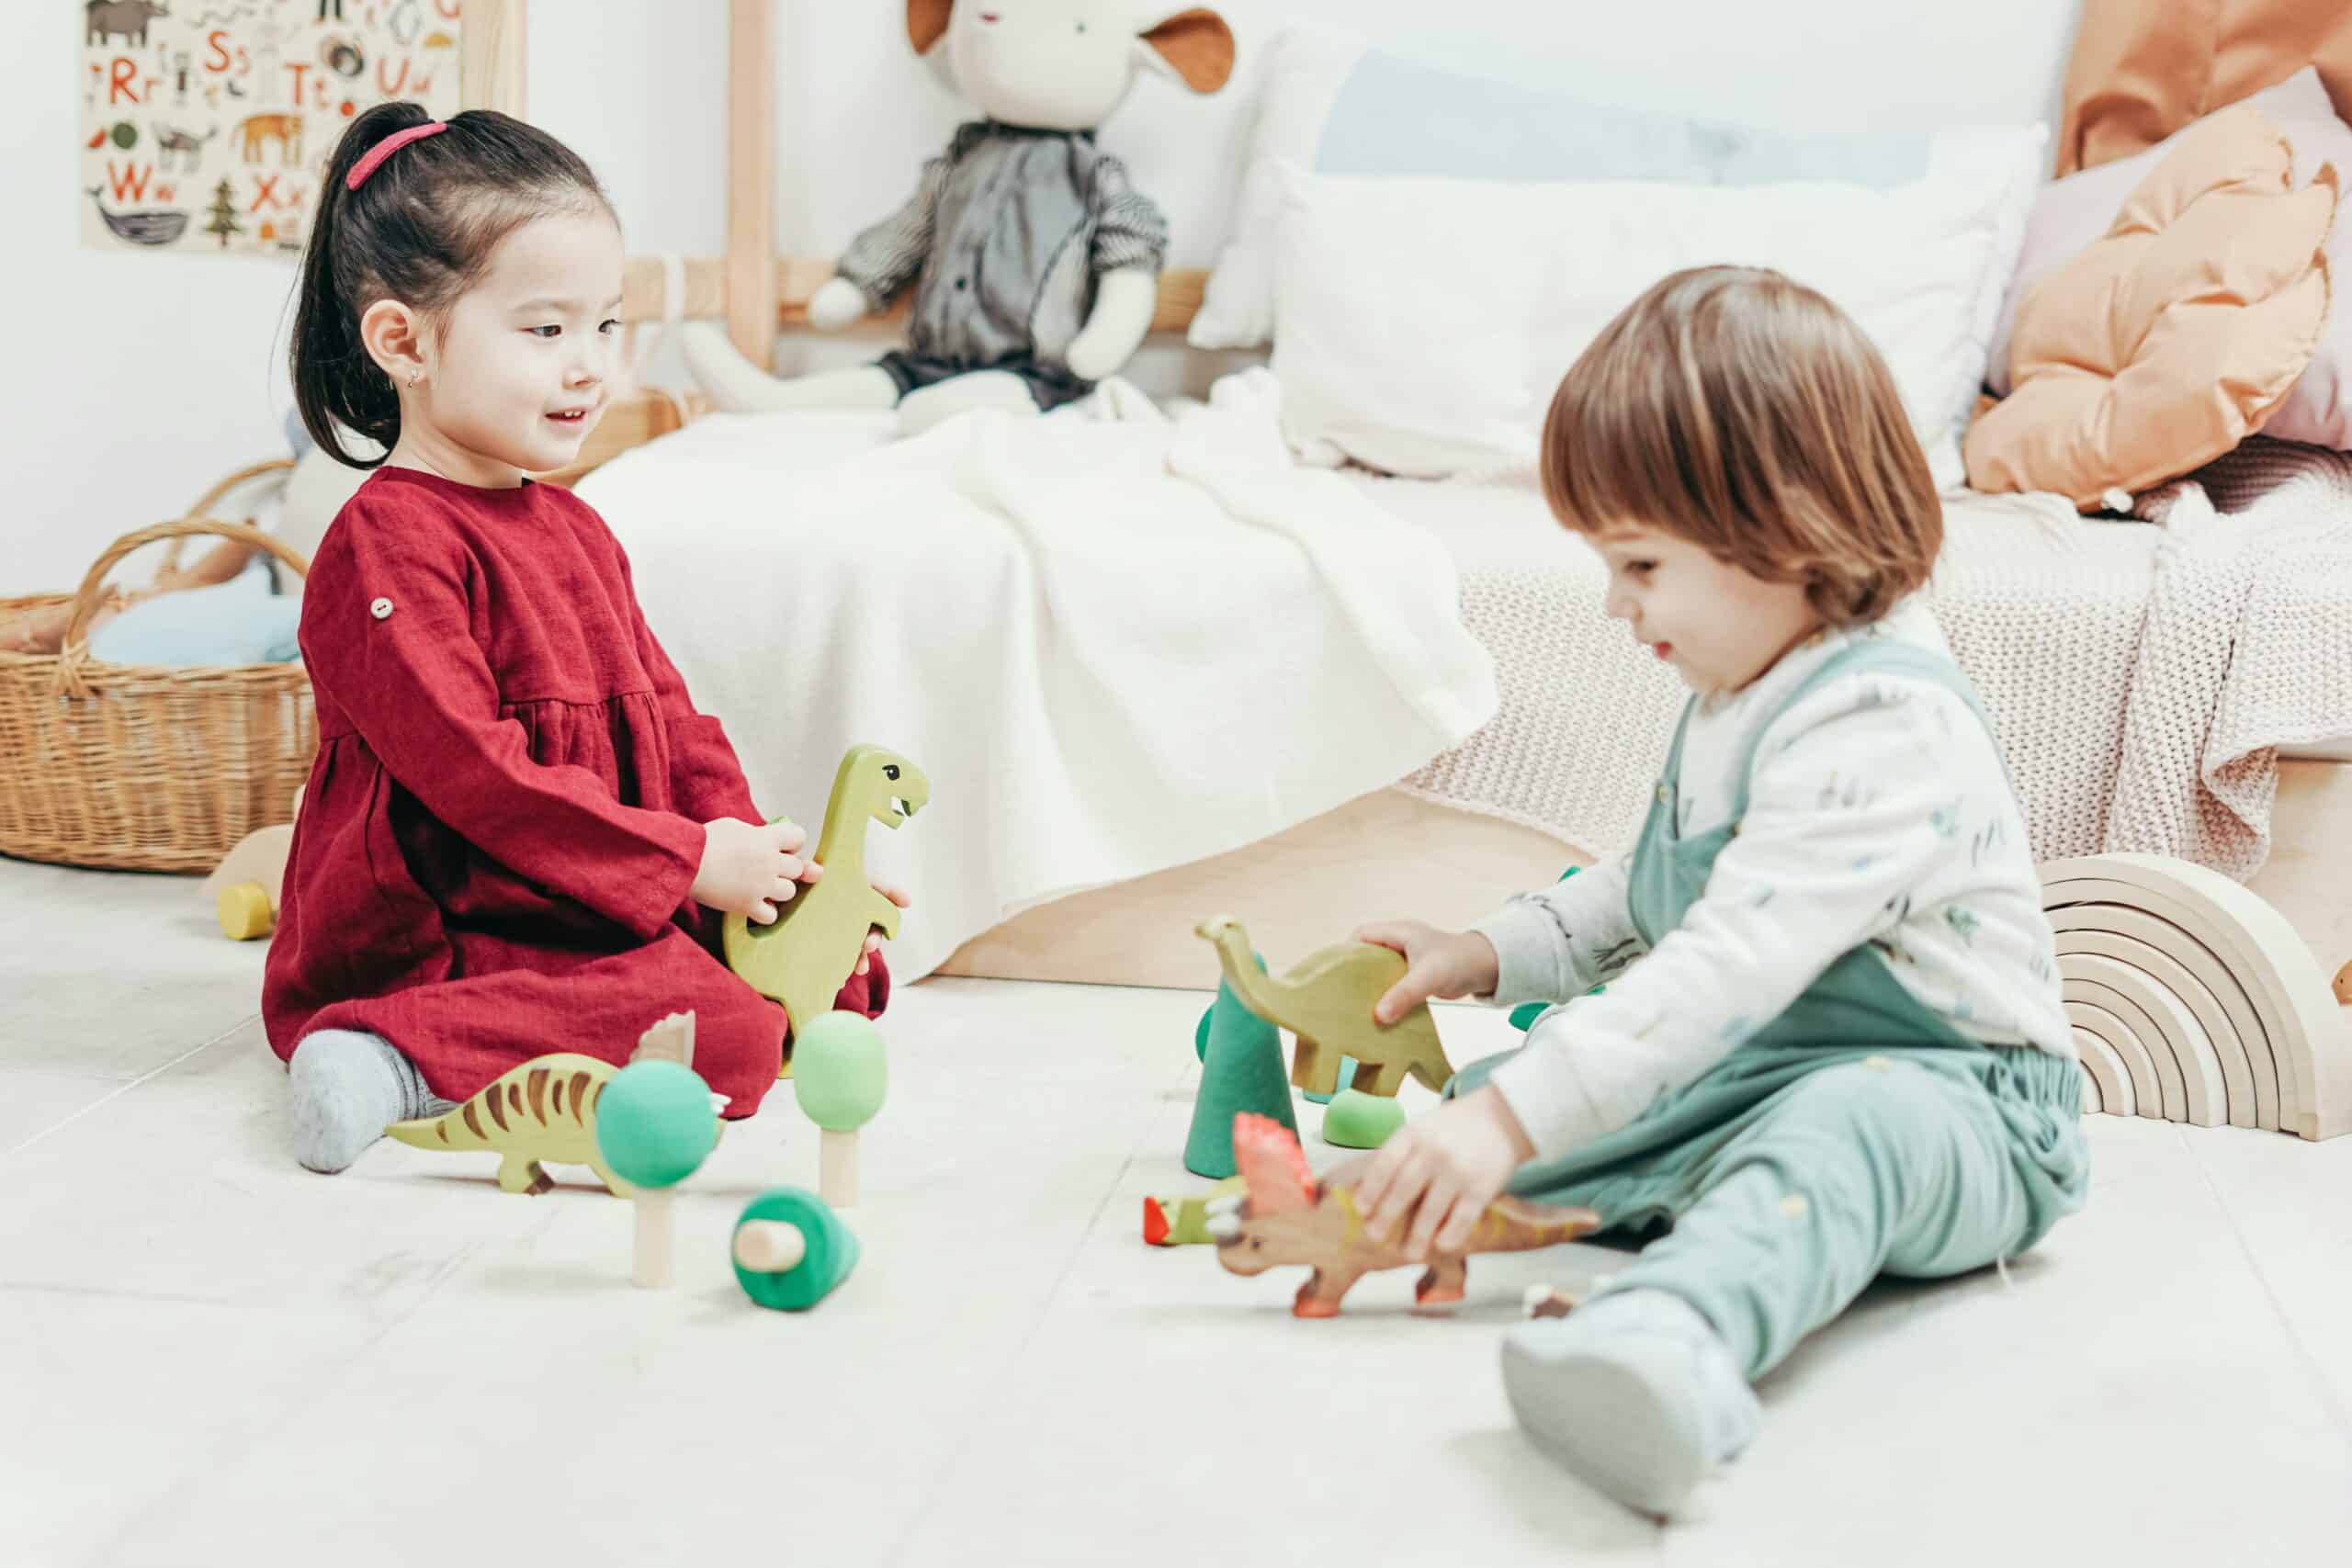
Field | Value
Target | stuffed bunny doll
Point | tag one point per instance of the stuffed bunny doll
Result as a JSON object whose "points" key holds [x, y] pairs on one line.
{"points": [[1035, 263]]}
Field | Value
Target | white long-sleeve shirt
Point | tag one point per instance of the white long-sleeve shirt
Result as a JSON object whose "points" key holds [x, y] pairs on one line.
{"points": [[1878, 812]]}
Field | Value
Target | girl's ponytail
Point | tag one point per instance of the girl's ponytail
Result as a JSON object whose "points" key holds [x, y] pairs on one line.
{"points": [[420, 229], [336, 385]]}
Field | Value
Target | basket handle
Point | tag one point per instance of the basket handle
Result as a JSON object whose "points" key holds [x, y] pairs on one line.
{"points": [[74, 651], [203, 507]]}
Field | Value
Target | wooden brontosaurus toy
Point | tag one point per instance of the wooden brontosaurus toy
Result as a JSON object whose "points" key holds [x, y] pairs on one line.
{"points": [[807, 954], [1325, 999], [1286, 1217]]}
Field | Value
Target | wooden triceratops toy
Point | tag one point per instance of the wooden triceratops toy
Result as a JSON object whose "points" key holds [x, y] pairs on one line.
{"points": [[1288, 1217]]}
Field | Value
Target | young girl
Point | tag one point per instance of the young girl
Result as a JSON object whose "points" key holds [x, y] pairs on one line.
{"points": [[518, 826], [1830, 1044]]}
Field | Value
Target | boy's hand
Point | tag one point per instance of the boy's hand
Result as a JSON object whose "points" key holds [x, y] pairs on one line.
{"points": [[749, 871], [1437, 964], [874, 938], [1442, 1171]]}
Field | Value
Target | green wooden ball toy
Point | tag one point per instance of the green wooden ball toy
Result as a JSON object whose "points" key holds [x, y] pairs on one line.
{"points": [[654, 1123], [839, 1071]]}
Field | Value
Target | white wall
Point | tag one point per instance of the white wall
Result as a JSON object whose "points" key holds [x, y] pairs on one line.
{"points": [[144, 377]]}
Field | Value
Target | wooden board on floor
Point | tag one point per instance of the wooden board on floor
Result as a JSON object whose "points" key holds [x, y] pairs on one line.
{"points": [[1383, 855], [1392, 853]]}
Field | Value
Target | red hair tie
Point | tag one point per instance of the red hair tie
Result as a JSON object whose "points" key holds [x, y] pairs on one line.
{"points": [[375, 155]]}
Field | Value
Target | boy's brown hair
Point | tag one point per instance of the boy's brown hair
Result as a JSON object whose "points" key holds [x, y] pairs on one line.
{"points": [[1743, 412]]}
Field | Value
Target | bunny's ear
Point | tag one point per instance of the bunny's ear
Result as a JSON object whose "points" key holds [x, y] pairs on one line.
{"points": [[1195, 46], [927, 22]]}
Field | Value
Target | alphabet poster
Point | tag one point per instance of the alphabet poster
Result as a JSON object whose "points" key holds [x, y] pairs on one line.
{"points": [[206, 123]]}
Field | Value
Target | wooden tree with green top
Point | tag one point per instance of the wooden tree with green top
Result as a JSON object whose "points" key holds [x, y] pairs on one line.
{"points": [[840, 1076]]}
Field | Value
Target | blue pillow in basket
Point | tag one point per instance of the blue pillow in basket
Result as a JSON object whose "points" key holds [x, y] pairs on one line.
{"points": [[241, 621]]}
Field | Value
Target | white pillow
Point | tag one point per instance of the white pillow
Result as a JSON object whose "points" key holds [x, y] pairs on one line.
{"points": [[1328, 103], [1423, 324]]}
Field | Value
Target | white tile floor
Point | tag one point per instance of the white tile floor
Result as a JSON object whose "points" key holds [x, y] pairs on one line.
{"points": [[208, 1355]]}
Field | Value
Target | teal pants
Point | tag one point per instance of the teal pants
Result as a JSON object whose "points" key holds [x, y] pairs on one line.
{"points": [[1793, 1177]]}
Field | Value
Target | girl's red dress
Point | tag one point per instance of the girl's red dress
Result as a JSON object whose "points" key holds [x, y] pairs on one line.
{"points": [[494, 848]]}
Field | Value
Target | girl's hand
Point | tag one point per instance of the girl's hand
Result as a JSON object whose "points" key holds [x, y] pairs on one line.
{"points": [[1437, 964], [749, 871], [1442, 1171], [874, 938]]}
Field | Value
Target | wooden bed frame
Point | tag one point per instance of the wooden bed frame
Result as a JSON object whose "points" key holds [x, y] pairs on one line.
{"points": [[1302, 889]]}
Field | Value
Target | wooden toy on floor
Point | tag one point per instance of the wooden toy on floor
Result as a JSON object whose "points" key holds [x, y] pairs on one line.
{"points": [[1340, 1086], [1288, 1217], [656, 1123], [1361, 1121], [1184, 1221], [791, 1250], [246, 887], [1325, 999], [1242, 1071], [806, 956], [542, 1110], [1546, 1300], [2193, 1000], [840, 1083]]}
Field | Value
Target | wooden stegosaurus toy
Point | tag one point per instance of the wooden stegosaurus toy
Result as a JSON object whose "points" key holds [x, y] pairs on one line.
{"points": [[1288, 1217], [544, 1110]]}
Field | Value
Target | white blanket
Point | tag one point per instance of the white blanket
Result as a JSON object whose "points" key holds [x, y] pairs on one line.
{"points": [[1116, 639]]}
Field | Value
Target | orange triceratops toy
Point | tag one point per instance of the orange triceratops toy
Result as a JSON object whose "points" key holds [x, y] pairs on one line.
{"points": [[1286, 1217]]}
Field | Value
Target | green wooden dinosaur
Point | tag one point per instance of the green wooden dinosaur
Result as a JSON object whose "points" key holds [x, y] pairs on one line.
{"points": [[1325, 1000], [544, 1110], [807, 955]]}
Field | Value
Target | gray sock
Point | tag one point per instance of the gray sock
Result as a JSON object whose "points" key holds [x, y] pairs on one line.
{"points": [[1634, 1391], [349, 1086]]}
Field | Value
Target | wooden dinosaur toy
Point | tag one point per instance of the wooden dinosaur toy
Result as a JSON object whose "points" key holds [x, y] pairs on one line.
{"points": [[806, 956], [1325, 999], [544, 1110], [1287, 1217], [1183, 1222]]}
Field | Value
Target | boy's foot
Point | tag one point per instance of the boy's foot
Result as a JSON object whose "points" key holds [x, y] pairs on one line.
{"points": [[348, 1087], [1635, 1394]]}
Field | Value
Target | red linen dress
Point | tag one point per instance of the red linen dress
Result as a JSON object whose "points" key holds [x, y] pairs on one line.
{"points": [[504, 815]]}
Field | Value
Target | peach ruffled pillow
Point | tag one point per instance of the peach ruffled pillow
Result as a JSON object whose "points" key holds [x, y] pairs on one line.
{"points": [[2171, 339]]}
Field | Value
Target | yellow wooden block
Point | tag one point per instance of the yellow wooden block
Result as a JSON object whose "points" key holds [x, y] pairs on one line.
{"points": [[244, 912]]}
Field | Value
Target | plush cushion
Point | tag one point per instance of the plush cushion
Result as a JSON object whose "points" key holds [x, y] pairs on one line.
{"points": [[1331, 105], [2070, 214], [236, 622], [2144, 69], [1426, 323], [2170, 340]]}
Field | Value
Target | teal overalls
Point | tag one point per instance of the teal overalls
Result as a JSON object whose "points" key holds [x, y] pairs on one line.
{"points": [[1855, 1134]]}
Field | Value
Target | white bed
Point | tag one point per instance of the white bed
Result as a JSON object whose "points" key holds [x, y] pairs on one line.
{"points": [[2141, 677], [2103, 649]]}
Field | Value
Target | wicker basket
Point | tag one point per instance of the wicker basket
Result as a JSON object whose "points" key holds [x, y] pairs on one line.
{"points": [[141, 767]]}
